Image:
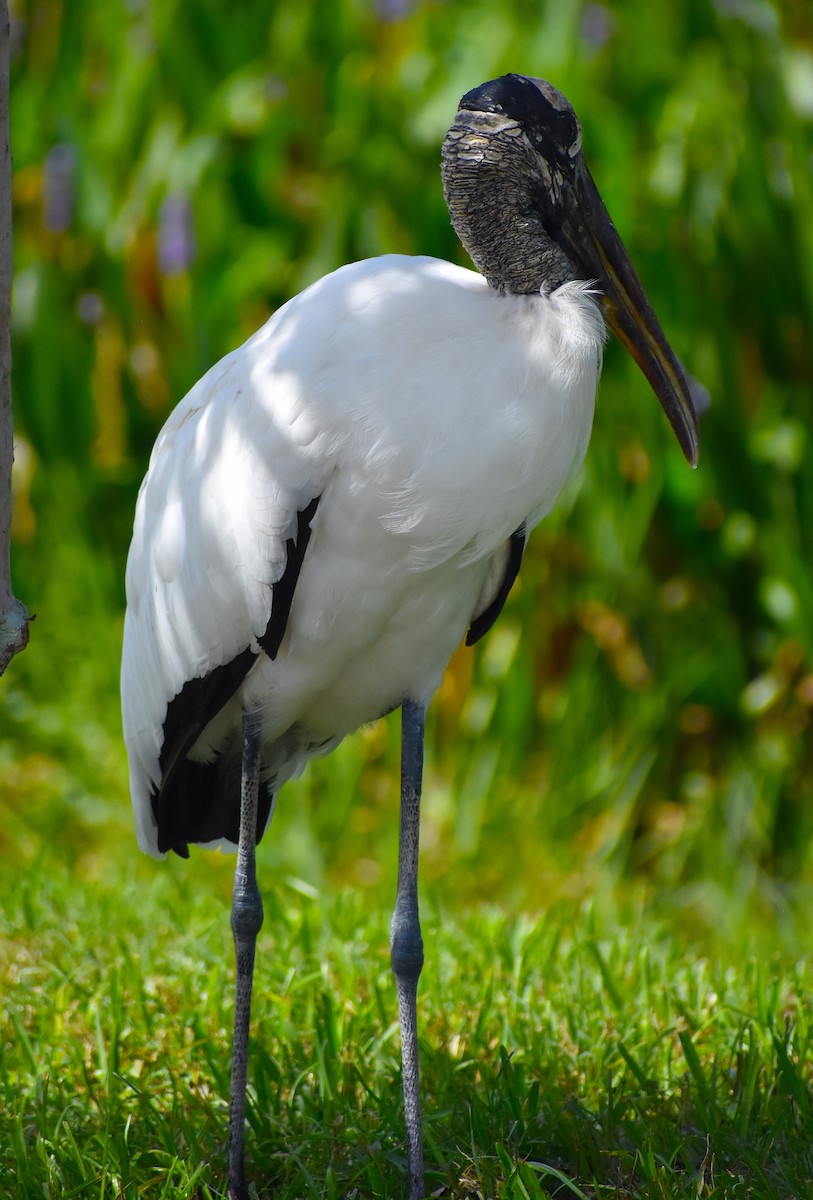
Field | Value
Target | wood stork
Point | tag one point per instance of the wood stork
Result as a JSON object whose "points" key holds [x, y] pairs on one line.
{"points": [[339, 502]]}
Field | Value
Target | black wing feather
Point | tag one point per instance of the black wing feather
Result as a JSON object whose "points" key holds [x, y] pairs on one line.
{"points": [[200, 802], [286, 585], [481, 625]]}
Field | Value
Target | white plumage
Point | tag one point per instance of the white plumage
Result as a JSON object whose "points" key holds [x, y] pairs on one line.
{"points": [[432, 415]]}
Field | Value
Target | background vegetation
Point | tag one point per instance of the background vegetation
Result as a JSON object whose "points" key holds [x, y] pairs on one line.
{"points": [[636, 730]]}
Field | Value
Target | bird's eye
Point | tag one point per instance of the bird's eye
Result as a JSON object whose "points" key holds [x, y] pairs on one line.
{"points": [[560, 137], [576, 144], [571, 135]]}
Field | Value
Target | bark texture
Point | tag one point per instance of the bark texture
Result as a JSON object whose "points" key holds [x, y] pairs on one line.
{"points": [[13, 614]]}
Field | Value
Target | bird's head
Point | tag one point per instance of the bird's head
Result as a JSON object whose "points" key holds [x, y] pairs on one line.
{"points": [[527, 210]]}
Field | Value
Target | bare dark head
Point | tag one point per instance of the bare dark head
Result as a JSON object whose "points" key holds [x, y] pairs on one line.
{"points": [[539, 108], [524, 205], [505, 164]]}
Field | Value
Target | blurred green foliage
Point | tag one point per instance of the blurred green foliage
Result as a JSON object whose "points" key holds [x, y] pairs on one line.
{"points": [[641, 715]]}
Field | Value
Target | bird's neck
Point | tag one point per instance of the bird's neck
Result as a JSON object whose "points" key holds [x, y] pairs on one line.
{"points": [[488, 190]]}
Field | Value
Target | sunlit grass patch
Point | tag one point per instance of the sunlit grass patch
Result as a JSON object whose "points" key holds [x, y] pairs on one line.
{"points": [[559, 1057]]}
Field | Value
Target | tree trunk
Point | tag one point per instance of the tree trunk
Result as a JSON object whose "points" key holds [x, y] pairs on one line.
{"points": [[13, 614]]}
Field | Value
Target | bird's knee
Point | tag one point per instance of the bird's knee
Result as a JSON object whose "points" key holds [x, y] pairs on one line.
{"points": [[406, 949], [246, 912]]}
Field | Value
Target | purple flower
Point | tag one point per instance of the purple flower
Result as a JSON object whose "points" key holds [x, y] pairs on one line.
{"points": [[393, 10], [176, 236], [59, 187], [597, 25]]}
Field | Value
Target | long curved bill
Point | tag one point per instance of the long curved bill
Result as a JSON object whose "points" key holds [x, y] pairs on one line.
{"points": [[592, 241]]}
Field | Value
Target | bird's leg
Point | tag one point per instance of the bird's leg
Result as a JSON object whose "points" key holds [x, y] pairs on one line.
{"points": [[406, 944], [246, 921]]}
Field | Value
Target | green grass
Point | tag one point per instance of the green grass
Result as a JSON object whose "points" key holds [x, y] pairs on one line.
{"points": [[623, 1038], [569, 1055]]}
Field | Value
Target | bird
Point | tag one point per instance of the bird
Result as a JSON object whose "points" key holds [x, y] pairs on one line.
{"points": [[339, 503]]}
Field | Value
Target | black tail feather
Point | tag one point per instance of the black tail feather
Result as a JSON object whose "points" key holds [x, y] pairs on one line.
{"points": [[201, 803]]}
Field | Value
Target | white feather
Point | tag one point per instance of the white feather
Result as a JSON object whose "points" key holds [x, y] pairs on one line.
{"points": [[432, 415]]}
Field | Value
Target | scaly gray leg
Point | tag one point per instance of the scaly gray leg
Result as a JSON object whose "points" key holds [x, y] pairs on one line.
{"points": [[246, 921], [406, 944]]}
